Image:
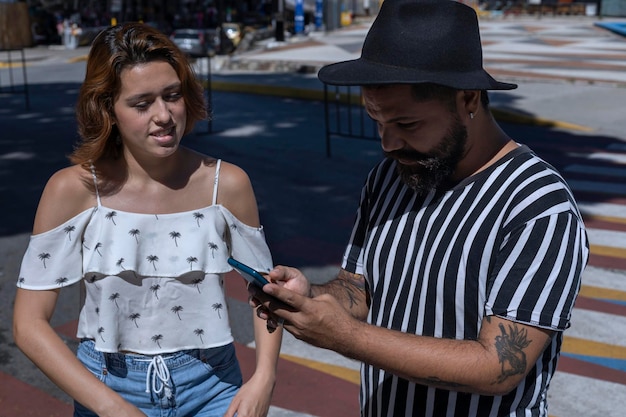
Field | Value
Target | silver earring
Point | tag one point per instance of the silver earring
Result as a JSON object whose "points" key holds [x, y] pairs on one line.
{"points": [[471, 115]]}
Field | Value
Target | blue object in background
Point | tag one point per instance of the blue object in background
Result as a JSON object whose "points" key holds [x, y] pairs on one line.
{"points": [[299, 17], [319, 13]]}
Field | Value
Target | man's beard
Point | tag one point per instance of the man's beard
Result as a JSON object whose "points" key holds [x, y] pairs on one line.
{"points": [[434, 168]]}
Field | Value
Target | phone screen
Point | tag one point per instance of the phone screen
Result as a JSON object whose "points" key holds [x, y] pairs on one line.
{"points": [[248, 273]]}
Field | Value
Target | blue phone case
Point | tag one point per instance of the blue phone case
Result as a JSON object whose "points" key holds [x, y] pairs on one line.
{"points": [[248, 273]]}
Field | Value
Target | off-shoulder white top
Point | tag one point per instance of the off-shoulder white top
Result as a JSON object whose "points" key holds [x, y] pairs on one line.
{"points": [[152, 283]]}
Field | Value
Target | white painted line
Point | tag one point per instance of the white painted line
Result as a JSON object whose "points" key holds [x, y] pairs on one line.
{"points": [[604, 278], [602, 209], [611, 238], [575, 396], [610, 157], [592, 325]]}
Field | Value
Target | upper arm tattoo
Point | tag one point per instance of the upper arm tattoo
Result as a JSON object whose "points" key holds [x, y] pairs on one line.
{"points": [[510, 345]]}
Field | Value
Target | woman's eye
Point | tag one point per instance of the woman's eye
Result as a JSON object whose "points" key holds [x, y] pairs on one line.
{"points": [[174, 96], [143, 105]]}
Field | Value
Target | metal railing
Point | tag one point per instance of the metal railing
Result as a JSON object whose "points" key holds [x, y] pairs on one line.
{"points": [[345, 116]]}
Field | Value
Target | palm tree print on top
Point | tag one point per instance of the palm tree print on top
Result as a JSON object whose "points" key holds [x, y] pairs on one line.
{"points": [[114, 297], [199, 333], [198, 217], [100, 331], [61, 281], [175, 235], [155, 290], [197, 282], [213, 247], [217, 307], [68, 231], [176, 310], [191, 260], [135, 233], [153, 259], [43, 257], [157, 338], [134, 317], [97, 248], [111, 216], [120, 263]]}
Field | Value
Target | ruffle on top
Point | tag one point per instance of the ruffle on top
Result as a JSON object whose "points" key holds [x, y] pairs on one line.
{"points": [[153, 282]]}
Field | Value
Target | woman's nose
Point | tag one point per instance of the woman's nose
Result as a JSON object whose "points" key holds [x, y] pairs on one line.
{"points": [[162, 111]]}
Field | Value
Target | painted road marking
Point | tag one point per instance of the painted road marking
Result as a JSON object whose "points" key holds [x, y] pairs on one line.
{"points": [[584, 347], [616, 158], [346, 374], [603, 209], [607, 238], [602, 293]]}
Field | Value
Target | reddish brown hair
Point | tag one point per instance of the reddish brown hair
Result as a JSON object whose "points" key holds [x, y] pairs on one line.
{"points": [[114, 50]]}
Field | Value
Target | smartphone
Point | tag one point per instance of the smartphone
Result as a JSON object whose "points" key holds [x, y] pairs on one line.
{"points": [[248, 273]]}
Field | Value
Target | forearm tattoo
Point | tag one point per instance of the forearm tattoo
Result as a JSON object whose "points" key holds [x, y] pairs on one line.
{"points": [[510, 345], [347, 286]]}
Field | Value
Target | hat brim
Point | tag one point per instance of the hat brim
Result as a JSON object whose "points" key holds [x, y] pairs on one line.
{"points": [[363, 72]]}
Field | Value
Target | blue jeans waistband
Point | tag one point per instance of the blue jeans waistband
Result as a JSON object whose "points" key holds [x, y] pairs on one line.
{"points": [[140, 363]]}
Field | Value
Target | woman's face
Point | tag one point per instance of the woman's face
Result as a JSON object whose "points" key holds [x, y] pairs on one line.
{"points": [[150, 110]]}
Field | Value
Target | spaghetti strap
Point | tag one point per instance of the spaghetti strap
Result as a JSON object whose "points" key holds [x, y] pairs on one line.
{"points": [[216, 181], [95, 183]]}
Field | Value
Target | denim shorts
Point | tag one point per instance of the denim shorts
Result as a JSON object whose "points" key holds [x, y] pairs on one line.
{"points": [[197, 382]]}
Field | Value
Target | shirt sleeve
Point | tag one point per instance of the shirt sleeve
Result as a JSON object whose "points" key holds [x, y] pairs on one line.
{"points": [[537, 274], [248, 244], [53, 259]]}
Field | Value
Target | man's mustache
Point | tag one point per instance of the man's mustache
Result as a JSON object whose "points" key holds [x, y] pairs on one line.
{"points": [[407, 155]]}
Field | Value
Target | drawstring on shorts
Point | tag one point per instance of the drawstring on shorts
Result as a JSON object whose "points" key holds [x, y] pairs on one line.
{"points": [[158, 377]]}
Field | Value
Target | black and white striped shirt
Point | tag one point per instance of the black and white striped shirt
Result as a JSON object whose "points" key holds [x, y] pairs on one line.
{"points": [[508, 241]]}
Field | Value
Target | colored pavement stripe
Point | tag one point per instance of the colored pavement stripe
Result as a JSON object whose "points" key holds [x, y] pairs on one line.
{"points": [[576, 366], [590, 348], [602, 293], [608, 251], [346, 374]]}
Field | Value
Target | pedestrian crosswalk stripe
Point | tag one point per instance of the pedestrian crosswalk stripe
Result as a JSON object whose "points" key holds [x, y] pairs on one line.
{"points": [[602, 293], [346, 374]]}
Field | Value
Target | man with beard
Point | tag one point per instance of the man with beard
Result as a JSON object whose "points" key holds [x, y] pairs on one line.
{"points": [[467, 251]]}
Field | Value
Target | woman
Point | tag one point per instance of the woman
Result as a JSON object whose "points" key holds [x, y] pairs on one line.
{"points": [[146, 226]]}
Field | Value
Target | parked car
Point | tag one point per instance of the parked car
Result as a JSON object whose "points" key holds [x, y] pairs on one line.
{"points": [[194, 42]]}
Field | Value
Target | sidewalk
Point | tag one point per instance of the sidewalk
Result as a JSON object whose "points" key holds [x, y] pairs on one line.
{"points": [[571, 74]]}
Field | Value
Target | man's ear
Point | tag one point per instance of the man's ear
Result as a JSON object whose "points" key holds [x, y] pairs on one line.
{"points": [[471, 100]]}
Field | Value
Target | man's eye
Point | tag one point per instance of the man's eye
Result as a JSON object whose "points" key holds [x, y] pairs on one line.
{"points": [[407, 125]]}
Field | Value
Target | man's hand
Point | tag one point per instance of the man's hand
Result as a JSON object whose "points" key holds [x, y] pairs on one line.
{"points": [[320, 321]]}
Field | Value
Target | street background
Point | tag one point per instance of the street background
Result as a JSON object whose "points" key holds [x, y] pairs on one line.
{"points": [[269, 119]]}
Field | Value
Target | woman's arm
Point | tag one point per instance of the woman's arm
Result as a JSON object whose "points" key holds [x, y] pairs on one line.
{"points": [[42, 345], [237, 195], [64, 196]]}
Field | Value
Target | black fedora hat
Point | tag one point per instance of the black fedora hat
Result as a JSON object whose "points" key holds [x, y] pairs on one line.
{"points": [[419, 41]]}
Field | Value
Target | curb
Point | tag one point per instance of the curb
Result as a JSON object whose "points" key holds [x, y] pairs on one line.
{"points": [[503, 115]]}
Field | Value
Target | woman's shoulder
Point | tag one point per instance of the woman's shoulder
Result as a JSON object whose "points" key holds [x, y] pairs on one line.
{"points": [[232, 175], [68, 192], [235, 192]]}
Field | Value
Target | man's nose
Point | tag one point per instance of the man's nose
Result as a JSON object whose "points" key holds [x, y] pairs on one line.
{"points": [[389, 141]]}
